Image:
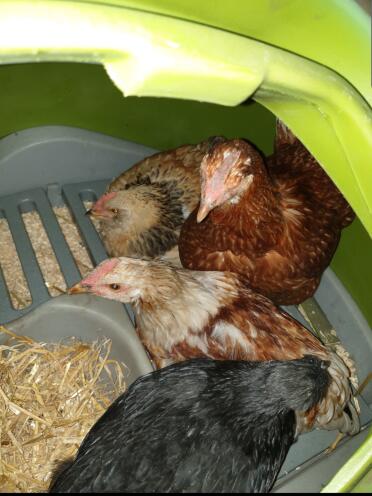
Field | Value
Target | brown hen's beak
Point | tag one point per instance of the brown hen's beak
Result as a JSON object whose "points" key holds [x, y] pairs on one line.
{"points": [[203, 211], [78, 288]]}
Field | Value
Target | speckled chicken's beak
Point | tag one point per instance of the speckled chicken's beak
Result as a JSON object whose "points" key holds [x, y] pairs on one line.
{"points": [[78, 288], [203, 211], [94, 213], [99, 213]]}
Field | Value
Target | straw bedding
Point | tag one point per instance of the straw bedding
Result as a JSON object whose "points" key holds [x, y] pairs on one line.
{"points": [[50, 396]]}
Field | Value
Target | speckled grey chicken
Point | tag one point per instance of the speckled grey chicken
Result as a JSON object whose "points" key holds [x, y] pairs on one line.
{"points": [[197, 426], [182, 314], [143, 209], [277, 221]]}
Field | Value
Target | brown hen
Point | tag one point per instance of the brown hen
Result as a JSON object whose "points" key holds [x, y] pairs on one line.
{"points": [[182, 314], [143, 209], [277, 223]]}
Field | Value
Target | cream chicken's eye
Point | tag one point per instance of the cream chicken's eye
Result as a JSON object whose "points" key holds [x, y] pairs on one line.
{"points": [[114, 210], [115, 286]]}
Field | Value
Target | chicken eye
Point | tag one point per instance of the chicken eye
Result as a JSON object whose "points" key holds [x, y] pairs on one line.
{"points": [[115, 287], [114, 210]]}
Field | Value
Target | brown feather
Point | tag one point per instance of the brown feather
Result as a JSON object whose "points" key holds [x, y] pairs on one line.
{"points": [[280, 231]]}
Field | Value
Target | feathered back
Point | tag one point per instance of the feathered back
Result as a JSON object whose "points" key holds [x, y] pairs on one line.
{"points": [[198, 426]]}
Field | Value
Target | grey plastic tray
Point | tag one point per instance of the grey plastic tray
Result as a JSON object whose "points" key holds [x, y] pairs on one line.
{"points": [[87, 317], [53, 166]]}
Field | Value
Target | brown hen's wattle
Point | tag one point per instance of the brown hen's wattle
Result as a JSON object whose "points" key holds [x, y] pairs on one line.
{"points": [[143, 209], [278, 223], [182, 314]]}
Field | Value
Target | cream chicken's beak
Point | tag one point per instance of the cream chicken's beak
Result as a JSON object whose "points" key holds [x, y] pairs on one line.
{"points": [[78, 288]]}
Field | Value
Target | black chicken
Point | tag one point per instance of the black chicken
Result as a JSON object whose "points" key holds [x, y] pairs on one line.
{"points": [[198, 426]]}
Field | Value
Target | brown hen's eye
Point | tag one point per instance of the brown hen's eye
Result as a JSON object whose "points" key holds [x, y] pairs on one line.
{"points": [[114, 210], [115, 286]]}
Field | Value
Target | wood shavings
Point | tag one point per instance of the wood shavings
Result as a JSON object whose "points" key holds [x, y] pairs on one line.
{"points": [[50, 396]]}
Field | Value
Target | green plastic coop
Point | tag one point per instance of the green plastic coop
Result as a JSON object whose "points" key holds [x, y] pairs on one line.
{"points": [[189, 69]]}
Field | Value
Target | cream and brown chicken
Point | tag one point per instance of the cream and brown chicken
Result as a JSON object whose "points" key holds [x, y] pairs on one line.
{"points": [[183, 314], [276, 221], [143, 209]]}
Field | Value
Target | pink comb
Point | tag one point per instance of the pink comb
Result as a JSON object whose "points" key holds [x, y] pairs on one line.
{"points": [[100, 271], [100, 203]]}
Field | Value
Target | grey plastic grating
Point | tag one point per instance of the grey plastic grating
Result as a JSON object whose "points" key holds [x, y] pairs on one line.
{"points": [[12, 206]]}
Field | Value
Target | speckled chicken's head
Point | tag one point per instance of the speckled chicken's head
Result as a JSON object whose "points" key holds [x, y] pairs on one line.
{"points": [[133, 206], [122, 279], [226, 172], [106, 207]]}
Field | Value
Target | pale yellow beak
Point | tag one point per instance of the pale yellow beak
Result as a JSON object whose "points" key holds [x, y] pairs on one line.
{"points": [[203, 211], [99, 214], [78, 288]]}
